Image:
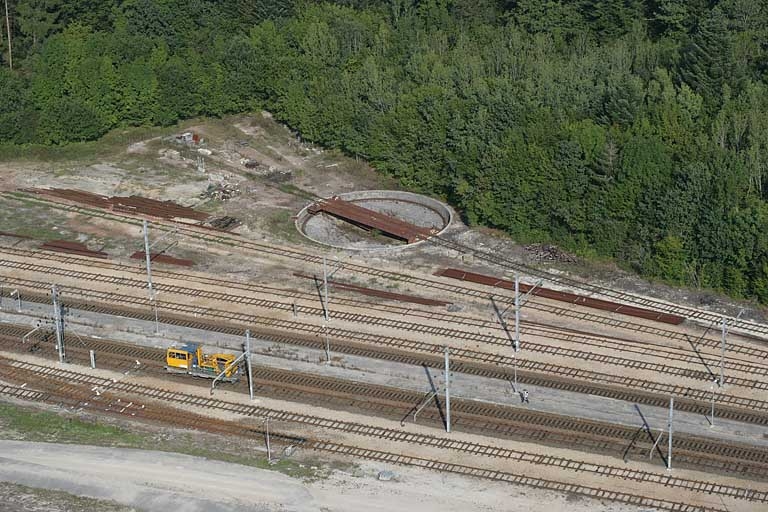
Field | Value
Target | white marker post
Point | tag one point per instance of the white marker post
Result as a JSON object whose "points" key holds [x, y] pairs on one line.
{"points": [[517, 314], [59, 323], [669, 428], [447, 393], [269, 449], [248, 362]]}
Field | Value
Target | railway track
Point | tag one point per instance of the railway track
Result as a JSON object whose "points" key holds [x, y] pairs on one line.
{"points": [[642, 363], [535, 328], [412, 352], [16, 370], [231, 240], [592, 289], [561, 334], [394, 403]]}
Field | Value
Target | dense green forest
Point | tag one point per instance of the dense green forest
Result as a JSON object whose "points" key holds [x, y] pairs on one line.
{"points": [[631, 129]]}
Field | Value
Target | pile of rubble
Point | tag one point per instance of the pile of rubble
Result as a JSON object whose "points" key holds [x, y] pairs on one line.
{"points": [[222, 187], [271, 173], [220, 191], [225, 223], [546, 252], [253, 165]]}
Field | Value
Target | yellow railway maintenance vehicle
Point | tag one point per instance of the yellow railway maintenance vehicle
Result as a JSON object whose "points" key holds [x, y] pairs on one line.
{"points": [[190, 359]]}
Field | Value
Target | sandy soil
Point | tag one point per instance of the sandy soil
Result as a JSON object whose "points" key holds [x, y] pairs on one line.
{"points": [[20, 498], [158, 481]]}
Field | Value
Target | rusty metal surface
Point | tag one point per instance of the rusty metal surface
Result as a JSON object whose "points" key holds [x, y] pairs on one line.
{"points": [[571, 298], [72, 248], [131, 204], [400, 297], [162, 258], [370, 219], [14, 235]]}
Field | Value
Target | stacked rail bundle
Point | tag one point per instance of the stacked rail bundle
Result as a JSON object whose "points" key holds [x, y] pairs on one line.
{"points": [[73, 248], [14, 235], [162, 258], [370, 219], [571, 298], [129, 204], [400, 297], [76, 196], [155, 208], [225, 223]]}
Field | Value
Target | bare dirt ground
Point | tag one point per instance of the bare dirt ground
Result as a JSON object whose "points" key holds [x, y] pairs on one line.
{"points": [[20, 498], [139, 480]]}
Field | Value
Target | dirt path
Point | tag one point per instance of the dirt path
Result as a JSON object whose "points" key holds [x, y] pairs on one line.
{"points": [[157, 481]]}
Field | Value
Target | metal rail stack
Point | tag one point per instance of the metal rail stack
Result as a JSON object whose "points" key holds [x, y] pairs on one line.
{"points": [[370, 220]]}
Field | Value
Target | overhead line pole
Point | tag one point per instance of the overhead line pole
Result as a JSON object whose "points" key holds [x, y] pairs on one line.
{"points": [[149, 262], [17, 293], [327, 345], [669, 428], [326, 308], [723, 346], [326, 277], [447, 392], [518, 305], [59, 323], [722, 352], [325, 288], [517, 313], [248, 362], [514, 356], [152, 296]]}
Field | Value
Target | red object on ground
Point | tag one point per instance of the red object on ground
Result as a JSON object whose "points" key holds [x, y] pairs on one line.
{"points": [[369, 219], [380, 293], [571, 298], [162, 258], [14, 235], [72, 248], [129, 204]]}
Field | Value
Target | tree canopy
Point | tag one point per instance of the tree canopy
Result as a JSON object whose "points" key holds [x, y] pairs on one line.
{"points": [[631, 129]]}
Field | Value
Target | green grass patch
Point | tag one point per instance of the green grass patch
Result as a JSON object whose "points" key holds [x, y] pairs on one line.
{"points": [[27, 218], [280, 223], [50, 427], [289, 188], [309, 470], [44, 499], [93, 151], [28, 424]]}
